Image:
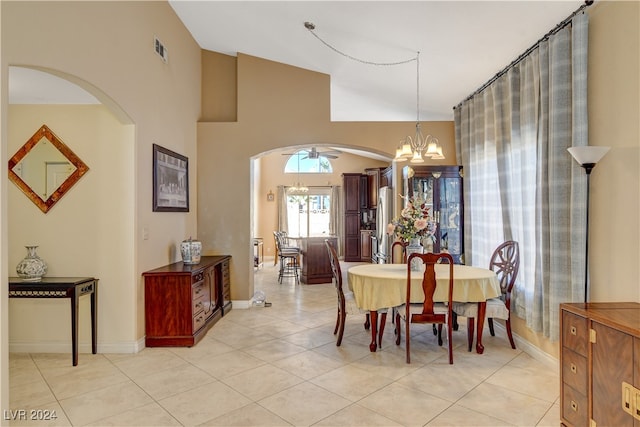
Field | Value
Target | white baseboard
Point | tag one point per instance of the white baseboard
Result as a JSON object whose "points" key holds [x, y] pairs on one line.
{"points": [[241, 304], [83, 347], [527, 347]]}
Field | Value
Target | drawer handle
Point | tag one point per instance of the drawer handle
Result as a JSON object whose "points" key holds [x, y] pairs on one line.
{"points": [[199, 319], [199, 305], [198, 291], [573, 330], [574, 406], [574, 368]]}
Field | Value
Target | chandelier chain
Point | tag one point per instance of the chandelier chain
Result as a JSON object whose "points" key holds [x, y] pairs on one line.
{"points": [[353, 58]]}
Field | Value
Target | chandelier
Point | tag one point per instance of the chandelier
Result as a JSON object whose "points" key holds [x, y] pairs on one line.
{"points": [[298, 187], [418, 147]]}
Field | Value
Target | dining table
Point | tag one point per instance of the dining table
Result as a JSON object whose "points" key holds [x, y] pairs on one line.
{"points": [[379, 287]]}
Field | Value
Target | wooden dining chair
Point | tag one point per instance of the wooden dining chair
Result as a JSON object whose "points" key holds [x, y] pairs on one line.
{"points": [[505, 262], [346, 300], [427, 311]]}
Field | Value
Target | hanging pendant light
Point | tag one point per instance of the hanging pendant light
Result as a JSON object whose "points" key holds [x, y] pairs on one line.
{"points": [[298, 187], [419, 147]]}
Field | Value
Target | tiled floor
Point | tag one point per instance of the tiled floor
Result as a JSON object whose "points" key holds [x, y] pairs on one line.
{"points": [[279, 366]]}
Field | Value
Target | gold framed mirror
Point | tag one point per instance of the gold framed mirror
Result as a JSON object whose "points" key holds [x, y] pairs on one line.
{"points": [[45, 169]]}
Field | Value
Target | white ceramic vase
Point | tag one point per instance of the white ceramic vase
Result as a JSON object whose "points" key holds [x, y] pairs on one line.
{"points": [[191, 251], [32, 267], [415, 246]]}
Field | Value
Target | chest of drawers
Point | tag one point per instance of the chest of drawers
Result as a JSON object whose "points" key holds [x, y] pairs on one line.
{"points": [[183, 301], [600, 364]]}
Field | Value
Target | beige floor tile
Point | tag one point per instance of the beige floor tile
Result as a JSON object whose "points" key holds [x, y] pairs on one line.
{"points": [[203, 403], [32, 393], [356, 416], [352, 382], [66, 382], [449, 382], [304, 404], [22, 369], [252, 415], [458, 415], [403, 405], [228, 364], [262, 381], [308, 364], [312, 338], [106, 402], [149, 361], [273, 350], [501, 403], [207, 347], [280, 328], [544, 386], [551, 418], [347, 352], [169, 382], [388, 364], [151, 415]]}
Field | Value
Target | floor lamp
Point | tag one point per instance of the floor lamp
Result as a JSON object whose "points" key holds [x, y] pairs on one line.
{"points": [[587, 156]]}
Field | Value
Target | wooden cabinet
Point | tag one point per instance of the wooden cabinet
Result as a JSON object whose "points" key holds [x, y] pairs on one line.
{"points": [[352, 201], [316, 266], [441, 188], [183, 301], [386, 177], [365, 245], [373, 184], [600, 364]]}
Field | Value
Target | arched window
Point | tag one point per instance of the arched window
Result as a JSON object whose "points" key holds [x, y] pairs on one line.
{"points": [[302, 162]]}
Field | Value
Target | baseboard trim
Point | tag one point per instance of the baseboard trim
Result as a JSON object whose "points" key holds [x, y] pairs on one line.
{"points": [[241, 304], [83, 347], [527, 347]]}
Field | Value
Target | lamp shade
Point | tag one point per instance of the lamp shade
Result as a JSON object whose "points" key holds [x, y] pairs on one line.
{"points": [[588, 154]]}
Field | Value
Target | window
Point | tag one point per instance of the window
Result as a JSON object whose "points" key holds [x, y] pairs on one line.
{"points": [[302, 162], [309, 215]]}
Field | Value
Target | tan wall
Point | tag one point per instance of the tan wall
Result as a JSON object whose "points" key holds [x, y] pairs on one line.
{"points": [[278, 106], [107, 48], [86, 233], [272, 174]]}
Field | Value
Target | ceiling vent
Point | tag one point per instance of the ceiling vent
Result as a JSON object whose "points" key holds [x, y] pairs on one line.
{"points": [[160, 49]]}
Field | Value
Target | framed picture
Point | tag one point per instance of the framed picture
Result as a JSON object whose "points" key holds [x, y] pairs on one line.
{"points": [[170, 181]]}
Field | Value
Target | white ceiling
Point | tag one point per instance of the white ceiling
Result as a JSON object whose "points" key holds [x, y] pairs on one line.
{"points": [[462, 45]]}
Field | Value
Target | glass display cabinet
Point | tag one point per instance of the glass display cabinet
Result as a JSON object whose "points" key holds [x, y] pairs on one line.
{"points": [[441, 188]]}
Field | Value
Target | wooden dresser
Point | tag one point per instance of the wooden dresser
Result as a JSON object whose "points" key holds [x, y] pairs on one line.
{"points": [[600, 364], [183, 301]]}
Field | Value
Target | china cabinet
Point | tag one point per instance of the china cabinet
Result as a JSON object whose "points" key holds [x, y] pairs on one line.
{"points": [[441, 188]]}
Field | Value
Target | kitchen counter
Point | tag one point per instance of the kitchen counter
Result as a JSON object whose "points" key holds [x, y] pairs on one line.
{"points": [[315, 266]]}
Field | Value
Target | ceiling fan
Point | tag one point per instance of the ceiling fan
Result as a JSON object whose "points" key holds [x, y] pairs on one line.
{"points": [[313, 153]]}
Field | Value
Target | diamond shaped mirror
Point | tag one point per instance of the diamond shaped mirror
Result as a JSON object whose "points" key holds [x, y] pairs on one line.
{"points": [[45, 169]]}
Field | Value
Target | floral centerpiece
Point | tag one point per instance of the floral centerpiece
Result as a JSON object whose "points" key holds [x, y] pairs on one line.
{"points": [[414, 222]]}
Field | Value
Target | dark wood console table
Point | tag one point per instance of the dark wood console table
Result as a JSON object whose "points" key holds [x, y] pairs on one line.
{"points": [[63, 287]]}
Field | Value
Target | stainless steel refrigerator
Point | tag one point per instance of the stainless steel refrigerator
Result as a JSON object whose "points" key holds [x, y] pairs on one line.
{"points": [[384, 215]]}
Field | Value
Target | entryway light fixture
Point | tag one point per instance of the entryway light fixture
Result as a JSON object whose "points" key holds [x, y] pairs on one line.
{"points": [[587, 156], [298, 187], [418, 147]]}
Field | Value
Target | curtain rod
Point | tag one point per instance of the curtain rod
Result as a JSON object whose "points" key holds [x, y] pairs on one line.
{"points": [[554, 30]]}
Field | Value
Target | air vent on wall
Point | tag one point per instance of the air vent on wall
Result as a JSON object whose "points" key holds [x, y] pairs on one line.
{"points": [[160, 49]]}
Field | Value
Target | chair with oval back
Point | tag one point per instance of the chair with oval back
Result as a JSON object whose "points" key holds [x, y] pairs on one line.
{"points": [[505, 262]]}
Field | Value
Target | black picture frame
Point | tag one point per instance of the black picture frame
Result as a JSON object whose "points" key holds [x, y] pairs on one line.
{"points": [[170, 181]]}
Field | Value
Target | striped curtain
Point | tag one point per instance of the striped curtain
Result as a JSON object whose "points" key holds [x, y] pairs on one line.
{"points": [[520, 181]]}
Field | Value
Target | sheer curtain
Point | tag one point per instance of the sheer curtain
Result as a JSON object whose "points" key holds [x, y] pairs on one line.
{"points": [[520, 181]]}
